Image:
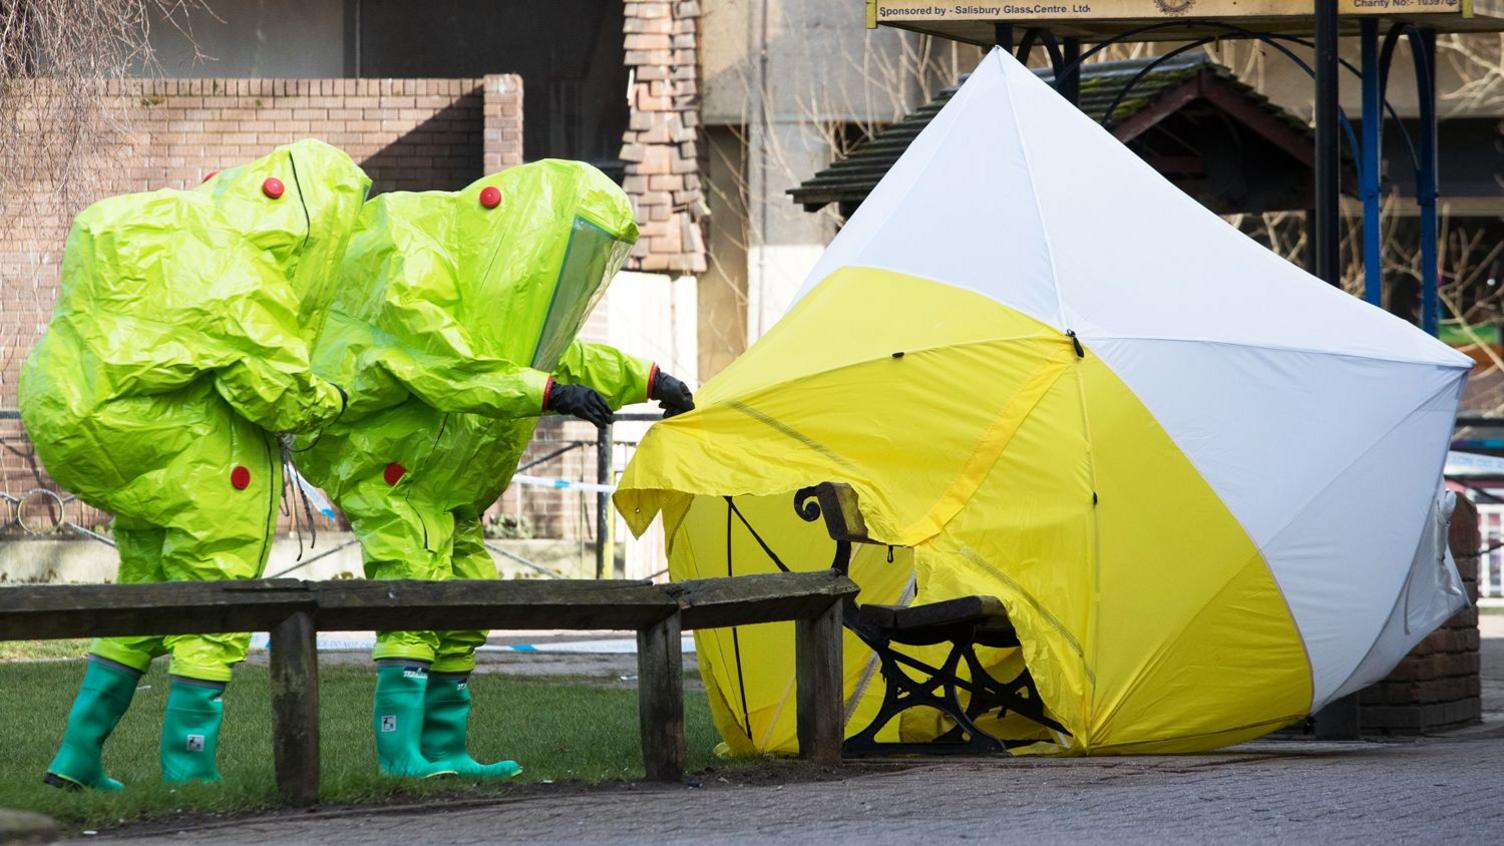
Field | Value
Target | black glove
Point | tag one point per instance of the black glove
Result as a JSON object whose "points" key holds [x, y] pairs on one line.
{"points": [[580, 401], [672, 395]]}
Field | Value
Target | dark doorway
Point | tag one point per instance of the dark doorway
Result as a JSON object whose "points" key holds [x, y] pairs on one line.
{"points": [[568, 52]]}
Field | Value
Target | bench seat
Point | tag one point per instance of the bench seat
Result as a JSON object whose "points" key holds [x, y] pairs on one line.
{"points": [[983, 618]]}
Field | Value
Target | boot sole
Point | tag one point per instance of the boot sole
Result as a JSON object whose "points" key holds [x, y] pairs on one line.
{"points": [[439, 774], [62, 783]]}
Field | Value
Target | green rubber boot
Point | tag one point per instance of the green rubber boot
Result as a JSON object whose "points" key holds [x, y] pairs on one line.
{"points": [[446, 722], [397, 719], [102, 700], [190, 730]]}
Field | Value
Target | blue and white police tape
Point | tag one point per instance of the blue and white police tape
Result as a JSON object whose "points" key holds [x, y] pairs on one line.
{"points": [[321, 504], [358, 641], [315, 498], [562, 484]]}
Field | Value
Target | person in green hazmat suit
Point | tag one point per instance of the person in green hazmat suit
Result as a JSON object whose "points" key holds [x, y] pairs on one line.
{"points": [[178, 349], [454, 330]]}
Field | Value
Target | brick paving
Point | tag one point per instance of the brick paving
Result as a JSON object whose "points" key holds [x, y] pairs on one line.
{"points": [[1431, 790]]}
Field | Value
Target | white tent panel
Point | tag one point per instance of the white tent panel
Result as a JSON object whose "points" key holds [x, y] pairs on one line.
{"points": [[1056, 218], [1432, 594], [1268, 429], [1137, 258], [1346, 556], [957, 208]]}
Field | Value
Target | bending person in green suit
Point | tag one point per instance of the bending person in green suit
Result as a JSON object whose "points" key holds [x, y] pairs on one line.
{"points": [[178, 348], [454, 330]]}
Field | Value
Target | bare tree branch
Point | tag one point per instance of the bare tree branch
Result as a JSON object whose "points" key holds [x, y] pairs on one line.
{"points": [[60, 62]]}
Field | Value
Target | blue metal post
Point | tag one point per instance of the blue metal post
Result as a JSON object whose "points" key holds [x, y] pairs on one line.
{"points": [[1372, 157], [1328, 237], [1423, 48]]}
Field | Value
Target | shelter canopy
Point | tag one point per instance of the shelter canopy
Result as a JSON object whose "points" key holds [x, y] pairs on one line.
{"points": [[1191, 119], [1099, 20]]}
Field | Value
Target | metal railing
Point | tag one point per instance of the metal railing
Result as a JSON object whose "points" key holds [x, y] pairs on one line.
{"points": [[1491, 542]]}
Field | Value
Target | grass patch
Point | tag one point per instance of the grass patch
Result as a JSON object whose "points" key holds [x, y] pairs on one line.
{"points": [[42, 650], [558, 729]]}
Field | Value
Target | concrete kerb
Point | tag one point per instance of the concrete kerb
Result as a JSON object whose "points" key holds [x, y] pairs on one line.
{"points": [[24, 828]]}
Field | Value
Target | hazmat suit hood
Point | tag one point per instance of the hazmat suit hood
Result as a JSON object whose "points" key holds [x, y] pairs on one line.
{"points": [[454, 313], [525, 254], [576, 230], [318, 190]]}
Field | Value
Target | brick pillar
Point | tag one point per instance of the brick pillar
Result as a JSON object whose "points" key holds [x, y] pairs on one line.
{"points": [[501, 116], [1437, 686], [660, 146]]}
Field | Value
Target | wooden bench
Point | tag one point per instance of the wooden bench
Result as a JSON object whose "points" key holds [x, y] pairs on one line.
{"points": [[964, 623], [294, 611]]}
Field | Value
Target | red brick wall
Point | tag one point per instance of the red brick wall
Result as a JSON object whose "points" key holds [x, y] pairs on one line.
{"points": [[557, 513], [408, 134]]}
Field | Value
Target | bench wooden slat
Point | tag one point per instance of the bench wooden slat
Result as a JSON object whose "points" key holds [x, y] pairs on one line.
{"points": [[512, 604], [58, 611], [764, 598]]}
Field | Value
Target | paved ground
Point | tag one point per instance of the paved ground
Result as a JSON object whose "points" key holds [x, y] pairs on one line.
{"points": [[1432, 790], [1491, 653]]}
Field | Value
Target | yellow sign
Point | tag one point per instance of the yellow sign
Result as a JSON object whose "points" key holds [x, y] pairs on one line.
{"points": [[885, 11]]}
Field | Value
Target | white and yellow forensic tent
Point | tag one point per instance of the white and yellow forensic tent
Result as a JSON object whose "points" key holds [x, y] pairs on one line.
{"points": [[1205, 485]]}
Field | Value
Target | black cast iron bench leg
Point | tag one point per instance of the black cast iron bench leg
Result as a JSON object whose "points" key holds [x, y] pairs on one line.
{"points": [[903, 692]]}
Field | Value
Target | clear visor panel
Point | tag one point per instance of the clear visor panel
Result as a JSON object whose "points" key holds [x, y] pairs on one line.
{"points": [[591, 259]]}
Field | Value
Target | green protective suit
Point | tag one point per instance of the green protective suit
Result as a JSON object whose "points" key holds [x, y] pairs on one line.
{"points": [[454, 311], [178, 348]]}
